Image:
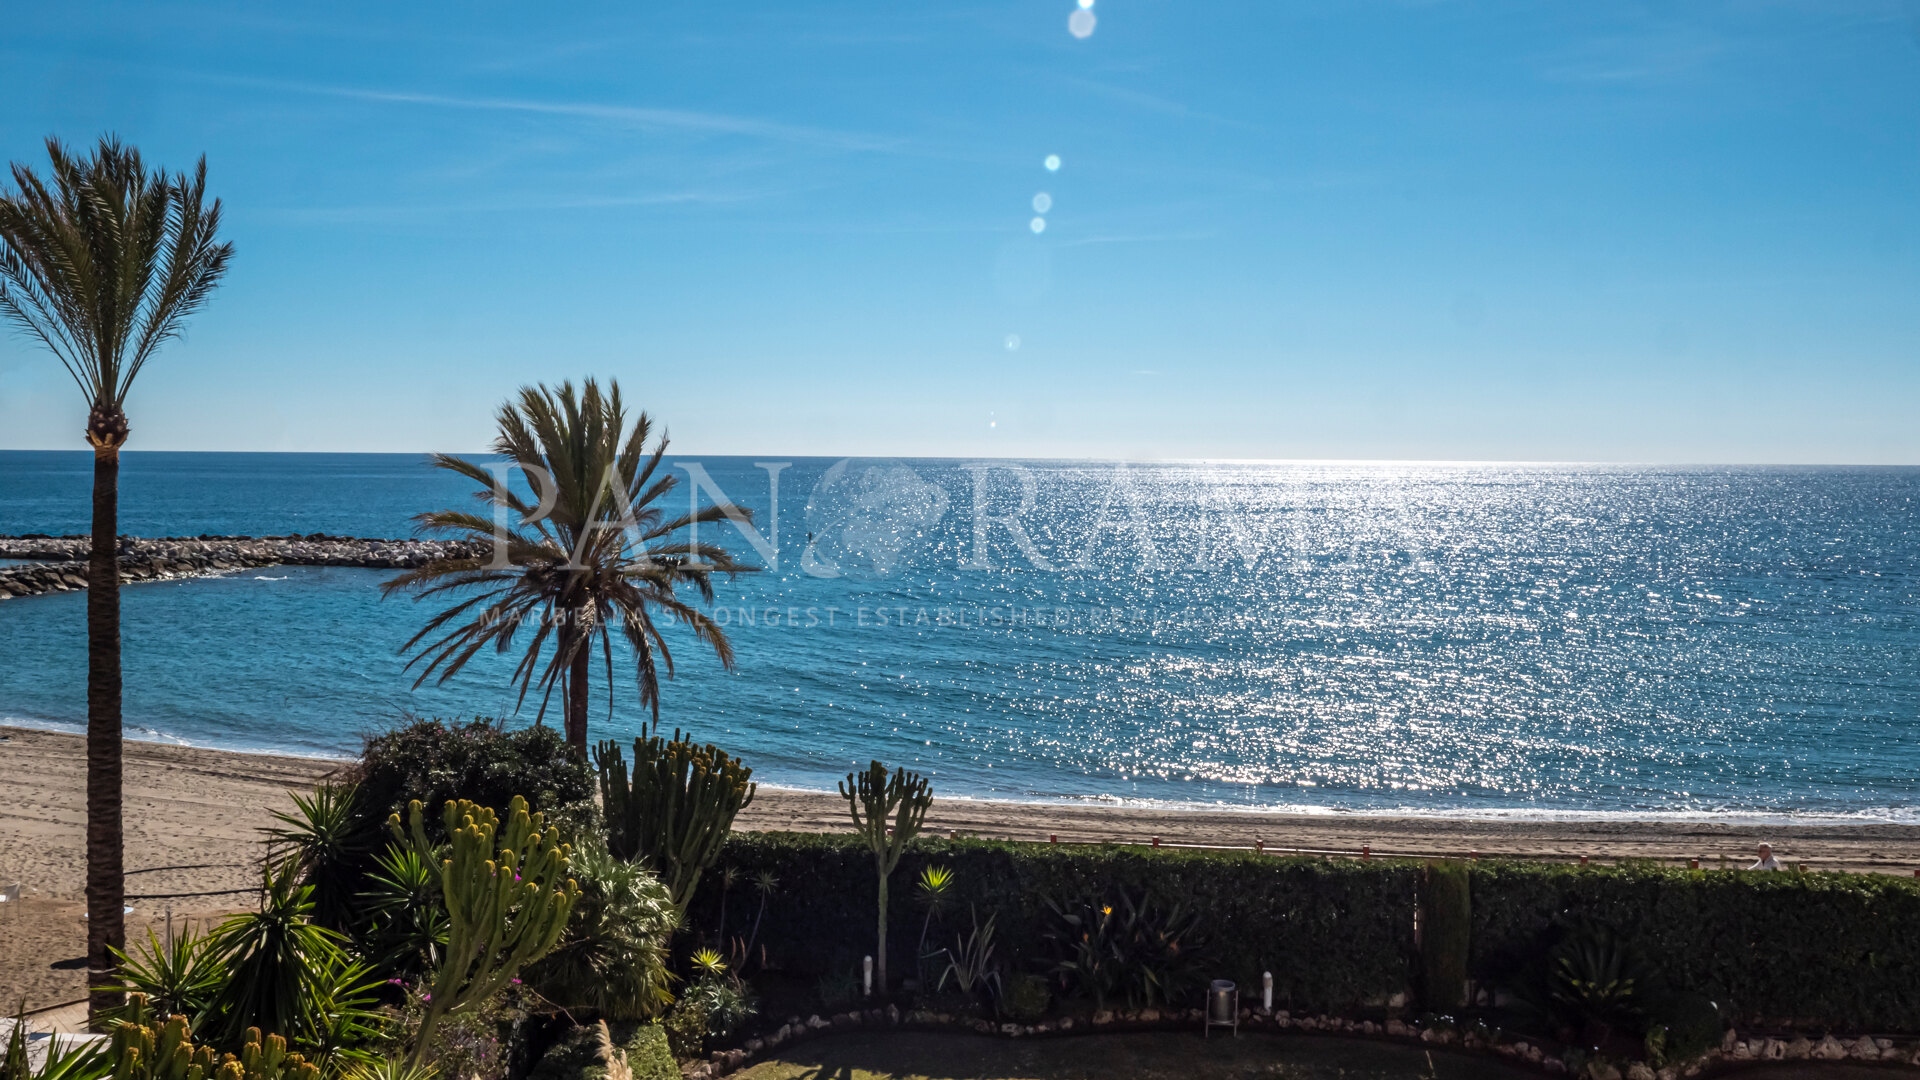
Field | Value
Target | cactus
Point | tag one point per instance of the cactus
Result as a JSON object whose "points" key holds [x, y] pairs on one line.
{"points": [[676, 810], [507, 897], [895, 808], [141, 1051]]}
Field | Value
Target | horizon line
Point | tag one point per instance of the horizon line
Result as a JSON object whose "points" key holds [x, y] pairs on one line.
{"points": [[1092, 459]]}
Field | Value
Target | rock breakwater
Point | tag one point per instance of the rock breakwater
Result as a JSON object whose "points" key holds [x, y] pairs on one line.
{"points": [[59, 563]]}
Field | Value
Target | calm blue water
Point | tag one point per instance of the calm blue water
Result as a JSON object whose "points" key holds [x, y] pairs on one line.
{"points": [[1426, 638]]}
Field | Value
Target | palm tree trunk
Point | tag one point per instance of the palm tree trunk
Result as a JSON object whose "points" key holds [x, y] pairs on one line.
{"points": [[106, 885], [577, 698]]}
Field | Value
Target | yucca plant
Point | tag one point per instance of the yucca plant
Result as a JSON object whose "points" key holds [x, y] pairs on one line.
{"points": [[605, 555], [933, 886], [406, 919], [764, 883], [179, 977], [326, 840], [102, 262]]}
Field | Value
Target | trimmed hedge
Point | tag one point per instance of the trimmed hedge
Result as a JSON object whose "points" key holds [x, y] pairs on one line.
{"points": [[1792, 950], [1332, 933], [1803, 950]]}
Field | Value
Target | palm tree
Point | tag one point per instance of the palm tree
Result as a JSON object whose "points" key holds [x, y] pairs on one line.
{"points": [[103, 263], [603, 555]]}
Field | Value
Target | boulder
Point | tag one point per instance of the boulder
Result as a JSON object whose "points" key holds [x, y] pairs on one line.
{"points": [[1830, 1049], [1864, 1049]]}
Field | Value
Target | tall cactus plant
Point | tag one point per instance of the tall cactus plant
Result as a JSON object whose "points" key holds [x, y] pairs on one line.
{"points": [[887, 812], [676, 808], [507, 895]]}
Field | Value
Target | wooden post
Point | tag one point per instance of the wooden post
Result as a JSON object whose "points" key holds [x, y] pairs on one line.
{"points": [[1693, 864], [1583, 860], [1260, 848], [1156, 841], [1366, 851], [1053, 838]]}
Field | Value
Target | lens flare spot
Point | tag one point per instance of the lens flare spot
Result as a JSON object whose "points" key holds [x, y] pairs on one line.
{"points": [[1081, 23], [1052, 163], [1013, 342], [1042, 203], [1038, 225], [1086, 4]]}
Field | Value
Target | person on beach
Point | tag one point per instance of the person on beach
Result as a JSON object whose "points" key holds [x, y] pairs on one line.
{"points": [[1767, 861]]}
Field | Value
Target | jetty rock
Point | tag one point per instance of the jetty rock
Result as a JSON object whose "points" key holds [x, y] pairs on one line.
{"points": [[59, 563]]}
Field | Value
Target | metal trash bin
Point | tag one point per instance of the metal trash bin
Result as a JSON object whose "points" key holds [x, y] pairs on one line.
{"points": [[1223, 1006]]}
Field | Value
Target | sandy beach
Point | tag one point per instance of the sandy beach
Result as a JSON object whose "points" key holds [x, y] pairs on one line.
{"points": [[193, 819]]}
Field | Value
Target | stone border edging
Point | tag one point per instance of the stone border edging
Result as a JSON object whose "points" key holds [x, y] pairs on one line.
{"points": [[1733, 1049]]}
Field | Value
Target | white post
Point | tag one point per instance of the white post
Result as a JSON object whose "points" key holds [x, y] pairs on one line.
{"points": [[1266, 990], [869, 981]]}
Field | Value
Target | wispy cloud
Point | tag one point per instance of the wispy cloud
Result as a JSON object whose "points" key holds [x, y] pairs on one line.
{"points": [[633, 116], [422, 212], [1144, 101], [1136, 238]]}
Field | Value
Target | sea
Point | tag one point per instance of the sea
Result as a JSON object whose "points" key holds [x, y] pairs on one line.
{"points": [[1483, 640]]}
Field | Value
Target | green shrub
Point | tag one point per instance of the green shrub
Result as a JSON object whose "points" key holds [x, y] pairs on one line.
{"points": [[1445, 927], [1026, 998], [648, 1055], [481, 761], [612, 960]]}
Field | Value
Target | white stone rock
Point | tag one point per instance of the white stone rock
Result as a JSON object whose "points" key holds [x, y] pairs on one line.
{"points": [[1830, 1049], [1639, 1070]]}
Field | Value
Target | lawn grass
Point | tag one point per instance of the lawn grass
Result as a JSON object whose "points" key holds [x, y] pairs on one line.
{"points": [[1145, 1056]]}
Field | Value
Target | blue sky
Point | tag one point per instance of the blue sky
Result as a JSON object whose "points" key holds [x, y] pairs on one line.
{"points": [[1668, 232]]}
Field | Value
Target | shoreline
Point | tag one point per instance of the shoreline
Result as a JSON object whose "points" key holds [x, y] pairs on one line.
{"points": [[1490, 816], [193, 818]]}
